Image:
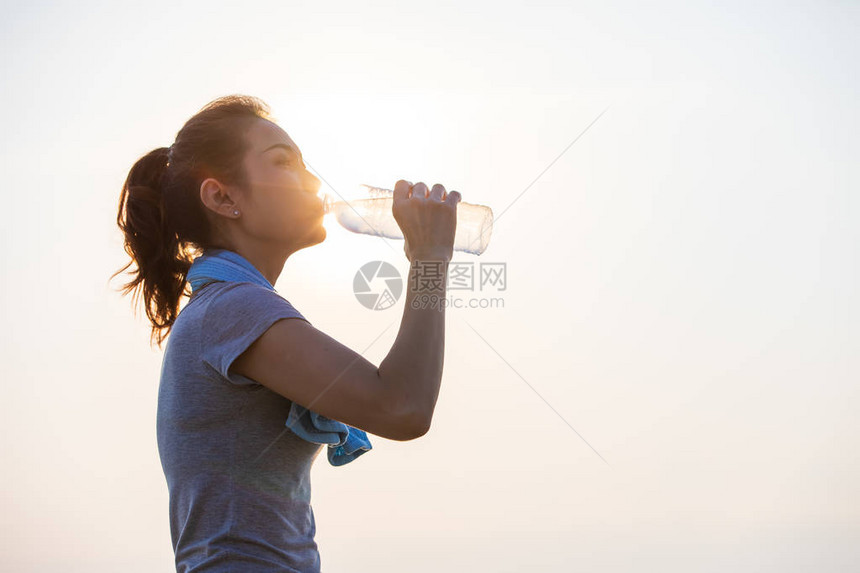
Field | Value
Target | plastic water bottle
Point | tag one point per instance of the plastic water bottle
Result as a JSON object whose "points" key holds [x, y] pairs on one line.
{"points": [[373, 216]]}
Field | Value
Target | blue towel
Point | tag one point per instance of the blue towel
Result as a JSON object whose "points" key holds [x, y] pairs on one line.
{"points": [[345, 443]]}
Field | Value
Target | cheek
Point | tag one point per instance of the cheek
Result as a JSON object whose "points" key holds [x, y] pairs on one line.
{"points": [[281, 212]]}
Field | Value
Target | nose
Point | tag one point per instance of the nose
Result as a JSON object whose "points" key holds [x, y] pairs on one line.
{"points": [[311, 182]]}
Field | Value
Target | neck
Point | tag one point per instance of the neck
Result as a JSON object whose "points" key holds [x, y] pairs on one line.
{"points": [[267, 259]]}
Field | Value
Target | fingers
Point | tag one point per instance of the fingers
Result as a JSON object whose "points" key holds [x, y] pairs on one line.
{"points": [[401, 190], [419, 190], [437, 193], [453, 197], [405, 190]]}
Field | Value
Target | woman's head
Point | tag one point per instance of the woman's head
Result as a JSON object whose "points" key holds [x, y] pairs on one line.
{"points": [[228, 181], [277, 203]]}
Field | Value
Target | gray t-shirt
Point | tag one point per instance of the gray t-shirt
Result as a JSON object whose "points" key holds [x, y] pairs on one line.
{"points": [[238, 478]]}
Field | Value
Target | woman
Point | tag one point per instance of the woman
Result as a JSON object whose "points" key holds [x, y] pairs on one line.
{"points": [[242, 363]]}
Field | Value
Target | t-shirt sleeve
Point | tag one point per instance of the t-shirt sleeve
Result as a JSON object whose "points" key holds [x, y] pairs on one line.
{"points": [[234, 319]]}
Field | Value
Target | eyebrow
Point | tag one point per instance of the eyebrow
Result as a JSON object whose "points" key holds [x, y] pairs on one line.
{"points": [[283, 145]]}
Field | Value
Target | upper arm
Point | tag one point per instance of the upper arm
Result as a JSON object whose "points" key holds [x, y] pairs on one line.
{"points": [[303, 364]]}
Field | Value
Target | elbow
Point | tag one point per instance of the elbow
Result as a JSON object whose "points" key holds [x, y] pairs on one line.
{"points": [[422, 427], [406, 420], [414, 427]]}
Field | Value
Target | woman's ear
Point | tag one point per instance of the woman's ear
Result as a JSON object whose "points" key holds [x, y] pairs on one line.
{"points": [[218, 198]]}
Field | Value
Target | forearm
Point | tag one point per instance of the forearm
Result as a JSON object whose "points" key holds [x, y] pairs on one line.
{"points": [[414, 365]]}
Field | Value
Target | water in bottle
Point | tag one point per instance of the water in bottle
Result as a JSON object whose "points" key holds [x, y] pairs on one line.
{"points": [[373, 216]]}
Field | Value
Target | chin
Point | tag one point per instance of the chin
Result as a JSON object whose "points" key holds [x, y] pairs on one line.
{"points": [[315, 237], [322, 234]]}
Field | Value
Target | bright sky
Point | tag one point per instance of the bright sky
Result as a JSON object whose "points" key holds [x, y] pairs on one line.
{"points": [[680, 292]]}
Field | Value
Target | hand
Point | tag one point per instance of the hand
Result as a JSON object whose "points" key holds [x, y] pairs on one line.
{"points": [[428, 220]]}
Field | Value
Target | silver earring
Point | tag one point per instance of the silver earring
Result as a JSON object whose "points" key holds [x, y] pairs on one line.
{"points": [[235, 212]]}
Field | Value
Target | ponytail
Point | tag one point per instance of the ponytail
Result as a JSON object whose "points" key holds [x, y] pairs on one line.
{"points": [[163, 221], [152, 243]]}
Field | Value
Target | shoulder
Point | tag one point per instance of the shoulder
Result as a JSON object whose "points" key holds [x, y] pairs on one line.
{"points": [[234, 315], [232, 301]]}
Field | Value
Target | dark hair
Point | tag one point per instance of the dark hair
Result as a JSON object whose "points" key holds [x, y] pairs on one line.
{"points": [[162, 218]]}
